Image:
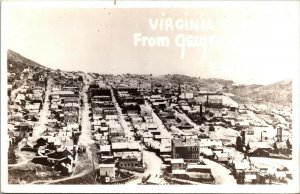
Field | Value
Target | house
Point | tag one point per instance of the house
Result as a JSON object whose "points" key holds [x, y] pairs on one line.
{"points": [[116, 132], [105, 150], [147, 137], [246, 172], [280, 175], [214, 102], [118, 139], [185, 125], [251, 175], [222, 157], [106, 172], [178, 164], [281, 147], [100, 126], [125, 146], [165, 147], [70, 117], [155, 146], [71, 107], [259, 149], [110, 113], [131, 161], [199, 172], [243, 124]]}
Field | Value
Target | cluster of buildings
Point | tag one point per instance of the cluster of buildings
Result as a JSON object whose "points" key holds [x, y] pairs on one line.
{"points": [[191, 171], [57, 145], [26, 93], [116, 147], [132, 113], [190, 119], [266, 146], [45, 118]]}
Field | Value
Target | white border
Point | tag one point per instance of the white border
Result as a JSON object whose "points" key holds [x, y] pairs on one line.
{"points": [[132, 188], [141, 3]]}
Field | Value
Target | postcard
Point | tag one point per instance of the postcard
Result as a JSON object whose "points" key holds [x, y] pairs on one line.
{"points": [[150, 96]]}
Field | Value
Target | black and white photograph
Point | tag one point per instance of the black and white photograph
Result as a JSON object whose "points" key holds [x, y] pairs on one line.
{"points": [[119, 96]]}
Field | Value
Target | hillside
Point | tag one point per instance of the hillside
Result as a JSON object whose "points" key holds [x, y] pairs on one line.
{"points": [[19, 61], [278, 93], [285, 85]]}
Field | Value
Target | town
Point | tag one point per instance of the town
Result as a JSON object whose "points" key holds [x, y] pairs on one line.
{"points": [[90, 128]]}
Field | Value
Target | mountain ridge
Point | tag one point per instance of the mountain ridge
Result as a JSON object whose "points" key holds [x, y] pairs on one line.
{"points": [[278, 92]]}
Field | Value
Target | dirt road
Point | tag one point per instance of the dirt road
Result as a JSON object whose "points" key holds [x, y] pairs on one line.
{"points": [[85, 138], [221, 174], [153, 167], [41, 126]]}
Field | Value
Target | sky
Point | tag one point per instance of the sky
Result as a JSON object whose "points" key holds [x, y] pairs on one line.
{"points": [[256, 44]]}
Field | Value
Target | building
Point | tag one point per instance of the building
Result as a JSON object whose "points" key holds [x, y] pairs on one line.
{"points": [[131, 161], [178, 164], [188, 149], [199, 172], [70, 117], [259, 149], [281, 148], [106, 172]]}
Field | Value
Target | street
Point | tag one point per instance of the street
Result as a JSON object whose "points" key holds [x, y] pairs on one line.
{"points": [[221, 174], [85, 137], [44, 113], [153, 167]]}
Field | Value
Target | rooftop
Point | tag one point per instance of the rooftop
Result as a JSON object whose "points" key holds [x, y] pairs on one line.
{"points": [[177, 161]]}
